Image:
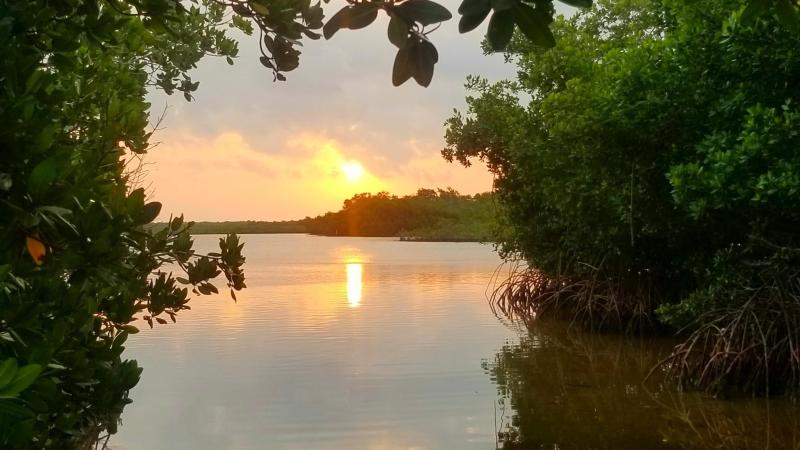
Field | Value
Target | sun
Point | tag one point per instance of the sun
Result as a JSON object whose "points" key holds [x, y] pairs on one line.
{"points": [[352, 170]]}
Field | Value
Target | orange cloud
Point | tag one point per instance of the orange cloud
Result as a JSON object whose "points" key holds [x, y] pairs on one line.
{"points": [[230, 178]]}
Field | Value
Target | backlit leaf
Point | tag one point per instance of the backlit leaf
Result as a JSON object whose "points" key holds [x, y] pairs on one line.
{"points": [[472, 7], [425, 12], [351, 17], [260, 9], [425, 57], [401, 71], [533, 25], [150, 212], [501, 28], [398, 32], [24, 377], [471, 21]]}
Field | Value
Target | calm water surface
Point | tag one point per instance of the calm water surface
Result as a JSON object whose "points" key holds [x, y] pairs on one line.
{"points": [[376, 344]]}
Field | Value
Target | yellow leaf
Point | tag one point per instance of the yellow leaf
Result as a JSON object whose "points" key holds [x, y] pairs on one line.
{"points": [[36, 249]]}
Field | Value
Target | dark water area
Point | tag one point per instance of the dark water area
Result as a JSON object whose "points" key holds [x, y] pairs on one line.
{"points": [[565, 388], [376, 344]]}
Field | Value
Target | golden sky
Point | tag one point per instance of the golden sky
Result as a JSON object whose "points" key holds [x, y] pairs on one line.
{"points": [[228, 178]]}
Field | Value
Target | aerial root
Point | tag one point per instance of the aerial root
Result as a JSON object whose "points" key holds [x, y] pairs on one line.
{"points": [[599, 303], [753, 348]]}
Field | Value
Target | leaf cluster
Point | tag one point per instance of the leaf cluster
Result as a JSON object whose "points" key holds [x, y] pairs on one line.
{"points": [[78, 267], [655, 137], [430, 214], [416, 55]]}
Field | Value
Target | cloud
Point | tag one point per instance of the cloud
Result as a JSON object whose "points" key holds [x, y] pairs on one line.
{"points": [[253, 148], [228, 177]]}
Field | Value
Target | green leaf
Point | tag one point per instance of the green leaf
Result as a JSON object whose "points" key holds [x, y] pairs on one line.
{"points": [[398, 32], [471, 21], [259, 9], [501, 28], [753, 10], [5, 182], [43, 175], [578, 3], [46, 137], [60, 214], [424, 12], [402, 70], [24, 377], [34, 81], [12, 409], [5, 269], [8, 369], [533, 25], [351, 17], [788, 14]]}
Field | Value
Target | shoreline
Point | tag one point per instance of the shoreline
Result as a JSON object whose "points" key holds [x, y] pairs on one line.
{"points": [[399, 238]]}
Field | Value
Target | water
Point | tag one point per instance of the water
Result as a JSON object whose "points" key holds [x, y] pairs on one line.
{"points": [[376, 344]]}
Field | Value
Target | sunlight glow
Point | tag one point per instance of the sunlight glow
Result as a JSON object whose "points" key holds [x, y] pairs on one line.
{"points": [[353, 171], [354, 271], [310, 167]]}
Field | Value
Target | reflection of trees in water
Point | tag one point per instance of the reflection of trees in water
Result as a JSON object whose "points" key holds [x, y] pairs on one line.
{"points": [[753, 423], [567, 389]]}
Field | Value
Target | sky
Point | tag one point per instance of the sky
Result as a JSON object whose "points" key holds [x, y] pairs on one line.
{"points": [[250, 148]]}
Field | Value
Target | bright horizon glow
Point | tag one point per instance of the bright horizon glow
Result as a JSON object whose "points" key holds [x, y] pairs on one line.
{"points": [[354, 271], [304, 177], [353, 171]]}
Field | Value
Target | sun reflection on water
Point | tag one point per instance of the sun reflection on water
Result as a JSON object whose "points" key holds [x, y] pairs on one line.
{"points": [[354, 271]]}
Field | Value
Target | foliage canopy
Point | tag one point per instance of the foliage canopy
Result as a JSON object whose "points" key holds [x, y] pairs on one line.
{"points": [[621, 158], [430, 214], [76, 265]]}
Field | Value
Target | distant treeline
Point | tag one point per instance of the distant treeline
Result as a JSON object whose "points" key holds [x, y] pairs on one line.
{"points": [[249, 227], [435, 215], [243, 227], [428, 215]]}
